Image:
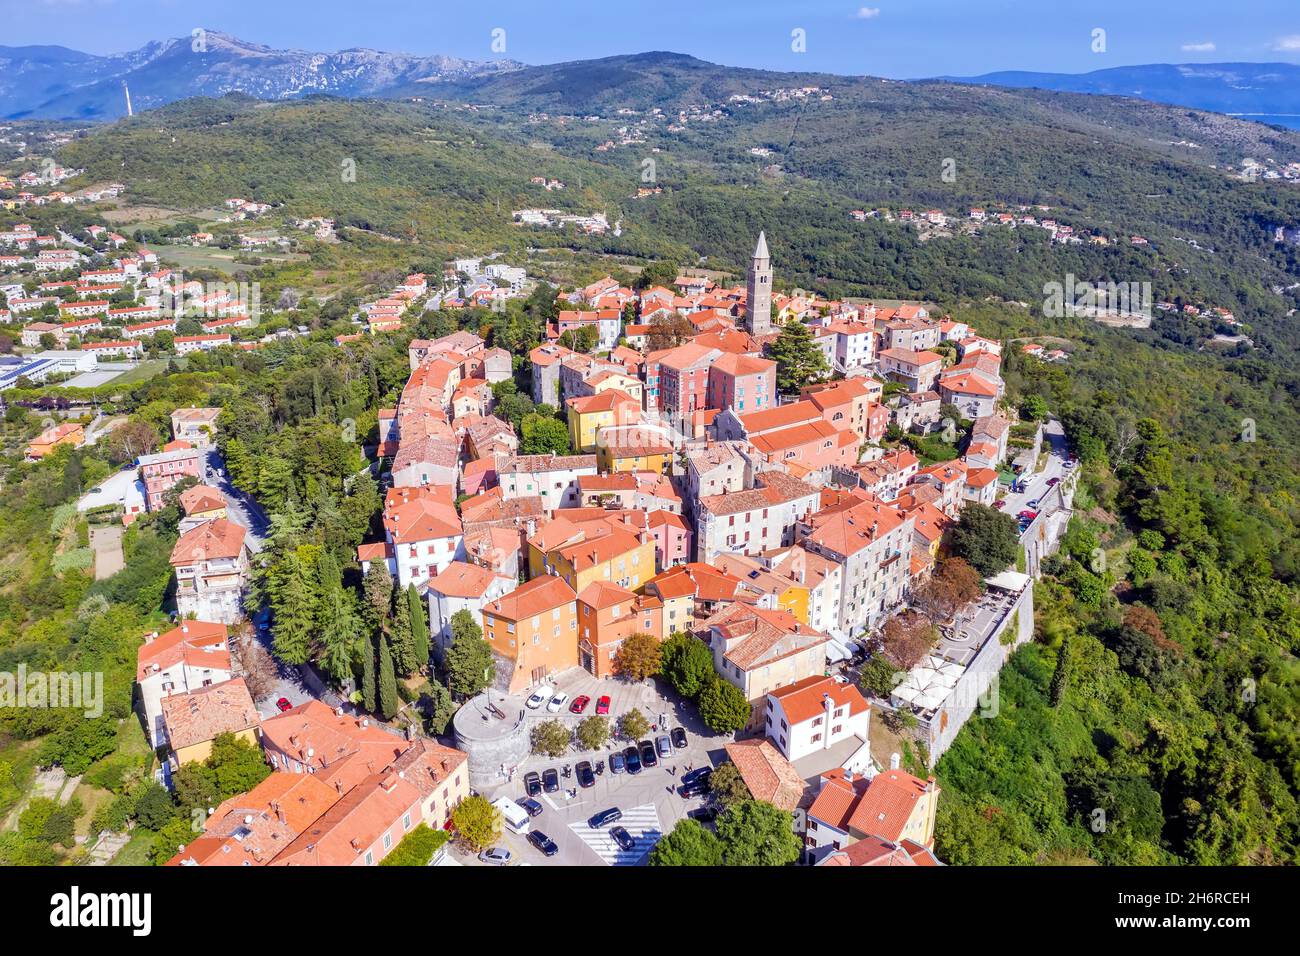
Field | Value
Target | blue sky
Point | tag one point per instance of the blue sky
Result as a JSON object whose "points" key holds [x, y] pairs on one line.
{"points": [[896, 38]]}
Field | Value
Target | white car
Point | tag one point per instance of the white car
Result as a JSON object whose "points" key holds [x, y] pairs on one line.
{"points": [[496, 856], [539, 697], [557, 702]]}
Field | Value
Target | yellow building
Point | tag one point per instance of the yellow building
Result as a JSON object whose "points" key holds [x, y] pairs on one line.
{"points": [[590, 413], [604, 552], [191, 721], [780, 589], [611, 458]]}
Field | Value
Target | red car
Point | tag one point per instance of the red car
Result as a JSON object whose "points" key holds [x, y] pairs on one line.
{"points": [[283, 704], [602, 706], [1028, 515], [579, 704], [1000, 503]]}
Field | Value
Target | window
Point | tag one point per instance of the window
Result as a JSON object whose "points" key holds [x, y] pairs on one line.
{"points": [[406, 822], [388, 841], [370, 858]]}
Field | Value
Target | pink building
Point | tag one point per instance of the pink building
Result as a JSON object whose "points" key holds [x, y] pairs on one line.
{"points": [[177, 460], [684, 378], [672, 539], [741, 382]]}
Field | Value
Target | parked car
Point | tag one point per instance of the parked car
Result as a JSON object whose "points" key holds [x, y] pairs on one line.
{"points": [[1053, 482], [699, 774], [605, 817], [551, 780], [664, 745], [579, 704], [1031, 505], [633, 759], [531, 806], [495, 856], [1028, 515], [557, 703], [544, 843], [583, 772], [647, 750], [283, 704], [623, 839], [602, 706], [617, 763], [679, 738], [1000, 503], [539, 697], [705, 814], [532, 783]]}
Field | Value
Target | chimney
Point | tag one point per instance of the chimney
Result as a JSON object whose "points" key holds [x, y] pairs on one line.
{"points": [[893, 761]]}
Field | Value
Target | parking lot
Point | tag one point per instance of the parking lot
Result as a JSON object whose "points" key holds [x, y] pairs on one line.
{"points": [[648, 800]]}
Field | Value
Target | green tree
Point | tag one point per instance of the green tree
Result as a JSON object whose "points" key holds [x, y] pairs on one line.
{"points": [[543, 435], [985, 538], [727, 785], [469, 662], [723, 707], [593, 732], [687, 844], [754, 833], [387, 681], [799, 361], [419, 625], [401, 640], [1061, 675], [551, 738], [637, 658], [633, 724], [687, 663], [477, 822], [369, 689], [417, 847], [1034, 408], [293, 606]]}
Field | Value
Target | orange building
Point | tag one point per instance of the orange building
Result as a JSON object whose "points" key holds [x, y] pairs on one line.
{"points": [[607, 616], [533, 631], [69, 433]]}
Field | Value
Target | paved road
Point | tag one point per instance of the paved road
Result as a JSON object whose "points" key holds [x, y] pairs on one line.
{"points": [[243, 510], [1037, 486]]}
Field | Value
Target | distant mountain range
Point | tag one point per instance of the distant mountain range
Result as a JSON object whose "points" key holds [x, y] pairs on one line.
{"points": [[52, 82], [1269, 92]]}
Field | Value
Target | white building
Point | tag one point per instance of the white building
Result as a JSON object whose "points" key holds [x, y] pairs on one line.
{"points": [[461, 587], [815, 714], [195, 654], [552, 477]]}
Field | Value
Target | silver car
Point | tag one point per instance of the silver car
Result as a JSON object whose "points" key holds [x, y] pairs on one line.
{"points": [[495, 856], [664, 745]]}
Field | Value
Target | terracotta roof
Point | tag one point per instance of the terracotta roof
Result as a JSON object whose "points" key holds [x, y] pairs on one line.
{"points": [[191, 641], [601, 594], [540, 594], [760, 636], [462, 580], [200, 715], [218, 538], [200, 498], [767, 774], [848, 531], [778, 488], [888, 803], [802, 700], [421, 519]]}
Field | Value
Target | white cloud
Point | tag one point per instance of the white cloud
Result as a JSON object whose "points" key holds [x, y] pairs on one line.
{"points": [[1289, 44], [1206, 47], [868, 13]]}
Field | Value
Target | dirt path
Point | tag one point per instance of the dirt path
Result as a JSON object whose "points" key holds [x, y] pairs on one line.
{"points": [[107, 544]]}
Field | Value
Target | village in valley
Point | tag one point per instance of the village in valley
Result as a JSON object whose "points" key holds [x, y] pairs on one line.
{"points": [[729, 574]]}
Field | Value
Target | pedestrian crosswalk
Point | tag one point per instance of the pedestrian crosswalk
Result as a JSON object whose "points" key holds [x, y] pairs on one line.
{"points": [[642, 823]]}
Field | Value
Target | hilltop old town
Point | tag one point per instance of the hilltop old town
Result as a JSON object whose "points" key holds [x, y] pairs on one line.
{"points": [[725, 578]]}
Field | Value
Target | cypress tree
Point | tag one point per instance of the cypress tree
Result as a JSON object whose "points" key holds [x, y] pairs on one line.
{"points": [[419, 625], [1061, 676], [400, 638], [387, 681], [368, 675]]}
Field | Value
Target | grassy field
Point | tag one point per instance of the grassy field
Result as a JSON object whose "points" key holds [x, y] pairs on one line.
{"points": [[199, 257], [146, 369]]}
